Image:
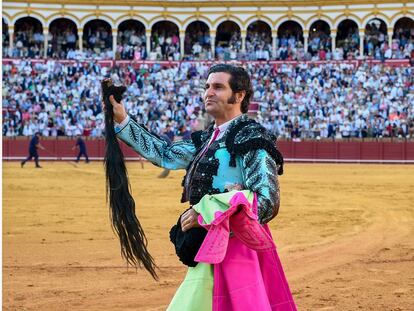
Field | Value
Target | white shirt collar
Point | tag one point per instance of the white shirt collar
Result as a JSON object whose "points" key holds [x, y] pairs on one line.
{"points": [[225, 125], [223, 128]]}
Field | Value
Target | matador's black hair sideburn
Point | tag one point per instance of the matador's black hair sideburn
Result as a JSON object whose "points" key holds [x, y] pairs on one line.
{"points": [[122, 205]]}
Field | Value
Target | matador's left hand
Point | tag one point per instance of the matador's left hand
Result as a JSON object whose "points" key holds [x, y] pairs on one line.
{"points": [[189, 220]]}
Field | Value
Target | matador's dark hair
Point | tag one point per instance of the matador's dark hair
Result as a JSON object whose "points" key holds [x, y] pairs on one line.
{"points": [[239, 81], [122, 205]]}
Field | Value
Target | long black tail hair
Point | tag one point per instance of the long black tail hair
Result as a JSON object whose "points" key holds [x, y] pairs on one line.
{"points": [[122, 205]]}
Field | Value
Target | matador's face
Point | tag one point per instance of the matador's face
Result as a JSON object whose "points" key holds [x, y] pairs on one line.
{"points": [[218, 95]]}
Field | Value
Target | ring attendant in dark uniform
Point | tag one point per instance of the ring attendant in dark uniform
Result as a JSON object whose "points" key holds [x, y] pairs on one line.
{"points": [[80, 143], [33, 146]]}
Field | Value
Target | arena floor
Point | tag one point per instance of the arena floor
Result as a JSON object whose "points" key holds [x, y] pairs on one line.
{"points": [[344, 234]]}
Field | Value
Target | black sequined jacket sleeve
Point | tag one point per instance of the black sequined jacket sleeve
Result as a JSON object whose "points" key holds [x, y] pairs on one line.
{"points": [[261, 163], [260, 176]]}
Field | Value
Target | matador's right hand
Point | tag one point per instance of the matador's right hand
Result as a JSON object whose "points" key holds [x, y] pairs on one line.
{"points": [[119, 110]]}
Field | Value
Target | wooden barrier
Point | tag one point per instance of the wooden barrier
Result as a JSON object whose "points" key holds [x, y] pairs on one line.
{"points": [[305, 151]]}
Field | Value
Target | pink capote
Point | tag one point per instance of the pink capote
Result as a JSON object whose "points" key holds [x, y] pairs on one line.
{"points": [[248, 274]]}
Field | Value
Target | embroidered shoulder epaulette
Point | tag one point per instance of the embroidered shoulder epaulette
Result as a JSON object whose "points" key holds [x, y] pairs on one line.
{"points": [[247, 135], [199, 138]]}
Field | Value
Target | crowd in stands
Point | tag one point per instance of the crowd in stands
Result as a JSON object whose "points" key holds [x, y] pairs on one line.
{"points": [[319, 44], [229, 50], [375, 40], [348, 46], [61, 40], [376, 43], [403, 43], [338, 101], [28, 41], [98, 42], [330, 100], [131, 44], [258, 45], [290, 47], [197, 44], [165, 44], [319, 47]]}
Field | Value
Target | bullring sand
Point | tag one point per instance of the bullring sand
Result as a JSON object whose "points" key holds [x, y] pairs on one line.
{"points": [[344, 234]]}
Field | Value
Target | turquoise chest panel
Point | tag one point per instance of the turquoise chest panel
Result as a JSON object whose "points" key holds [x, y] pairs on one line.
{"points": [[226, 175]]}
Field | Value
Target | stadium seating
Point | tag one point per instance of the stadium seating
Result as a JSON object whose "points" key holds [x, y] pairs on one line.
{"points": [[293, 100]]}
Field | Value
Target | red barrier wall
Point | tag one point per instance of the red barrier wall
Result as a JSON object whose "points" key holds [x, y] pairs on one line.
{"points": [[306, 151]]}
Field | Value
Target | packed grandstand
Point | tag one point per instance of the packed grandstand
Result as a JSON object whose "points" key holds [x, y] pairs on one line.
{"points": [[63, 40], [336, 78]]}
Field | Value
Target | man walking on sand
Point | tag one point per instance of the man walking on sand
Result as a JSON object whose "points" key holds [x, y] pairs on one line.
{"points": [[33, 146], [232, 188]]}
